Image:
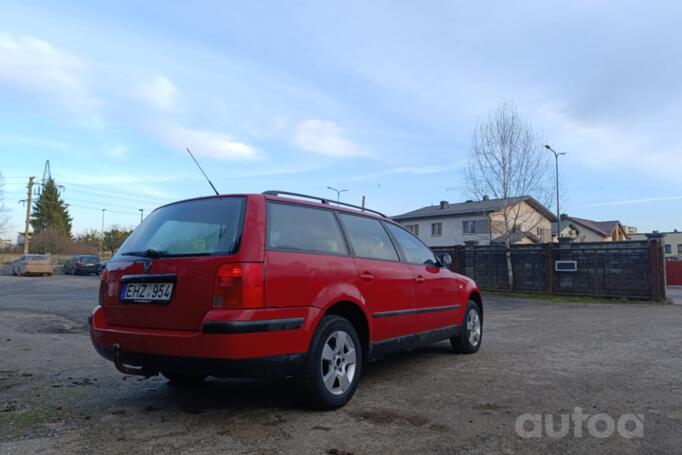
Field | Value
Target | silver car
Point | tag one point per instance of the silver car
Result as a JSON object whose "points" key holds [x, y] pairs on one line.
{"points": [[33, 264]]}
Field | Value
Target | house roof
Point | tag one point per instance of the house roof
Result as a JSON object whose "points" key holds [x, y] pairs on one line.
{"points": [[473, 207], [603, 228]]}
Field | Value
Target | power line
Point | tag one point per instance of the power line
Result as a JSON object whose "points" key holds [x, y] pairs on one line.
{"points": [[100, 209], [102, 196], [117, 196], [107, 204], [101, 192], [110, 192]]}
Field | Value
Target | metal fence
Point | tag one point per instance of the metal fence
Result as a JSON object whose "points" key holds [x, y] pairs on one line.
{"points": [[629, 269]]}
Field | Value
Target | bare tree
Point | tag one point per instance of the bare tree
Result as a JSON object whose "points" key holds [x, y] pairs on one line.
{"points": [[507, 161], [4, 215]]}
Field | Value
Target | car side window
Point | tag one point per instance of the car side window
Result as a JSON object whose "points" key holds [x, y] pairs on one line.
{"points": [[414, 250], [307, 229], [368, 238]]}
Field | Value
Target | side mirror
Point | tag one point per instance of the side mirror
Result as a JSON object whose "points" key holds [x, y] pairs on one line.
{"points": [[445, 259]]}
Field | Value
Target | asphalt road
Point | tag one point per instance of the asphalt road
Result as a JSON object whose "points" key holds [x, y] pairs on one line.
{"points": [[58, 396]]}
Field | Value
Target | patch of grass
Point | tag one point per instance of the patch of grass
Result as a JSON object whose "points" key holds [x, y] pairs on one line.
{"points": [[33, 413], [28, 421], [570, 298]]}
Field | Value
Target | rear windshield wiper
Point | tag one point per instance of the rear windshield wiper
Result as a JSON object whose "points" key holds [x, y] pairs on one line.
{"points": [[148, 253]]}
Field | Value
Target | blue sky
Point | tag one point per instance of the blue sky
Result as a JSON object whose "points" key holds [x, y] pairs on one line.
{"points": [[377, 97]]}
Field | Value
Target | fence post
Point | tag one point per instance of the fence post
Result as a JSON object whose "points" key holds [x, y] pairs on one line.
{"points": [[456, 256], [549, 268], [657, 266], [470, 253]]}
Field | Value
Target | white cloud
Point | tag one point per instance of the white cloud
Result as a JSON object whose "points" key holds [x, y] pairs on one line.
{"points": [[118, 151], [325, 138], [209, 144], [32, 141], [36, 66], [160, 93], [415, 170], [636, 201], [611, 146]]}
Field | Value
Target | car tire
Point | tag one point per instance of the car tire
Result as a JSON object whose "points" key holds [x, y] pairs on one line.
{"points": [[183, 380], [469, 338], [333, 364]]}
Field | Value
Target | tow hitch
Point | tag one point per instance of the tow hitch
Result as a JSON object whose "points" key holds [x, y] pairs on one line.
{"points": [[142, 371]]}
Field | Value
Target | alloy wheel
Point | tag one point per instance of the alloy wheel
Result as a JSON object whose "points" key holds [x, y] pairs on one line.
{"points": [[339, 360], [473, 328]]}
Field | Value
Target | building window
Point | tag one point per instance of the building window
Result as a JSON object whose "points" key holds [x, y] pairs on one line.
{"points": [[413, 228], [679, 249], [436, 229], [469, 227], [668, 249]]}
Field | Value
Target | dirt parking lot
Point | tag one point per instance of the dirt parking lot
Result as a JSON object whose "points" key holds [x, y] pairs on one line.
{"points": [[58, 396]]}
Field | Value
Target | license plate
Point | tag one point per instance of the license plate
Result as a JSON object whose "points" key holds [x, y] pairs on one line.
{"points": [[147, 292]]}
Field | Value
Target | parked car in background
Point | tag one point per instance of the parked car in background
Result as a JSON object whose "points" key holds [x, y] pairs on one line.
{"points": [[33, 264], [82, 265], [271, 284]]}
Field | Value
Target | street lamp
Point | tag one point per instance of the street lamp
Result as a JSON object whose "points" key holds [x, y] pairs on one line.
{"points": [[338, 193], [556, 162], [141, 214]]}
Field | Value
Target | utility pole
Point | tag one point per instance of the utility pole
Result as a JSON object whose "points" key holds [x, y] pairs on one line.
{"points": [[363, 202], [29, 201], [558, 211], [101, 240], [141, 214]]}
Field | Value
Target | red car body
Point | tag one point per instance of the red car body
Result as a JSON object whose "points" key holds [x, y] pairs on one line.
{"points": [[255, 311]]}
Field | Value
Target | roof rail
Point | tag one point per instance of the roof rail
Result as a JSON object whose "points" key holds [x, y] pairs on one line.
{"points": [[322, 200]]}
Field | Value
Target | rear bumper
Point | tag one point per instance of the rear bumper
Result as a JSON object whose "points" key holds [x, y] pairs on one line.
{"points": [[36, 269], [252, 343], [269, 367], [87, 269]]}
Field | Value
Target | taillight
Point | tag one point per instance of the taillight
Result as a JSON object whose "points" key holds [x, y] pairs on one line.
{"points": [[239, 285], [103, 284]]}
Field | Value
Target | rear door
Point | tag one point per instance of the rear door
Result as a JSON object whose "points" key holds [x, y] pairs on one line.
{"points": [[384, 281], [163, 275], [306, 258], [438, 299]]}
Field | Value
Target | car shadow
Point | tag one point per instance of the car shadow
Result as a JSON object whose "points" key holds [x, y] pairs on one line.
{"points": [[216, 394]]}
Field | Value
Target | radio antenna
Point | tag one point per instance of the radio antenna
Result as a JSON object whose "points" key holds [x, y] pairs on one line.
{"points": [[202, 171]]}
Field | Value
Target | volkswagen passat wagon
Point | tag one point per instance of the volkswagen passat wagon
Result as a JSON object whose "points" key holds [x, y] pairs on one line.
{"points": [[276, 284]]}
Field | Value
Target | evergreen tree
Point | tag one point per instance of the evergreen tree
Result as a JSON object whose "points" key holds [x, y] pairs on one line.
{"points": [[51, 211]]}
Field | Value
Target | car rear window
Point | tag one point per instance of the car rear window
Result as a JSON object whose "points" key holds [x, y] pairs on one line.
{"points": [[37, 257], [89, 259], [194, 228], [368, 238], [306, 229]]}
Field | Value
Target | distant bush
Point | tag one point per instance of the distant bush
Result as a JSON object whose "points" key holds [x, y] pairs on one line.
{"points": [[53, 241]]}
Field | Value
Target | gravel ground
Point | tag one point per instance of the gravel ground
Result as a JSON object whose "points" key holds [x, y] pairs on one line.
{"points": [[58, 396]]}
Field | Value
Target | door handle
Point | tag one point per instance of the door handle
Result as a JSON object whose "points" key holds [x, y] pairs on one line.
{"points": [[366, 276], [419, 279]]}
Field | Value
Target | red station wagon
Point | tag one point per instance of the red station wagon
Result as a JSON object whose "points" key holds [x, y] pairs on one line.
{"points": [[276, 284]]}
